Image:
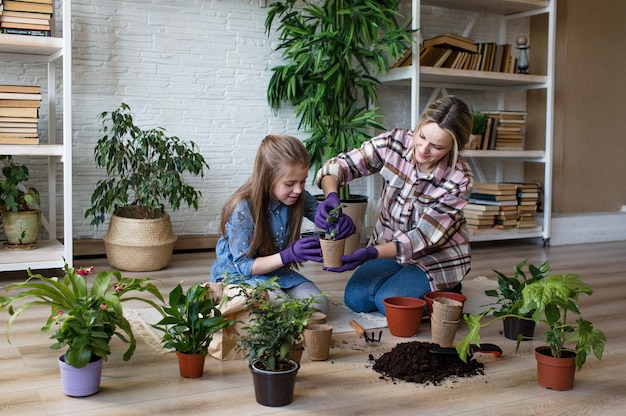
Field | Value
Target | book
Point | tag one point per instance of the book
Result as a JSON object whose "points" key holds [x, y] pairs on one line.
{"points": [[26, 20], [492, 197], [27, 32], [452, 40], [491, 202], [407, 55], [446, 53], [481, 207], [29, 15], [19, 96], [28, 26], [474, 221], [28, 89], [22, 6], [18, 140], [496, 186], [470, 213], [31, 112], [20, 103]]}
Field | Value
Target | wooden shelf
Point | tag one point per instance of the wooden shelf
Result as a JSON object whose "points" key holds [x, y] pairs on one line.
{"points": [[503, 7], [48, 255], [463, 78], [31, 149], [30, 45]]}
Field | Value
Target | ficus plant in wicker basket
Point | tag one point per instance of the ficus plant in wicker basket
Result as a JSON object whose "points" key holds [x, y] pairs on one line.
{"points": [[144, 170]]}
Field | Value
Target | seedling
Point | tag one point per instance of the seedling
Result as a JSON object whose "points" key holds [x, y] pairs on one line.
{"points": [[333, 217]]}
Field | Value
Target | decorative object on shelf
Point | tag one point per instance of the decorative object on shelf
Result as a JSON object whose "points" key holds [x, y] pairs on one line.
{"points": [[522, 59], [140, 236], [479, 127], [275, 326], [549, 300], [331, 80], [85, 317], [21, 218], [189, 322]]}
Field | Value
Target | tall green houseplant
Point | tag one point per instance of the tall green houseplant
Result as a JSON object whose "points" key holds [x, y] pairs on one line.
{"points": [[333, 51]]}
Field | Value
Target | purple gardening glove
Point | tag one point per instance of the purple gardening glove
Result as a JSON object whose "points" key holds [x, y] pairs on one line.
{"points": [[352, 261], [323, 209], [345, 226], [307, 248]]}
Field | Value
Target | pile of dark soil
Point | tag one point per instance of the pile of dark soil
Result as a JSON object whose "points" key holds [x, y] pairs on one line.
{"points": [[413, 362]]}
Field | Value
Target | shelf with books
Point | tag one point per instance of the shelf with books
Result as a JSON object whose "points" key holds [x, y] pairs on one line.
{"points": [[52, 53], [430, 81]]}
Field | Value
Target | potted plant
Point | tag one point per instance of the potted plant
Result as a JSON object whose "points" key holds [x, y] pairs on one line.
{"points": [[144, 170], [333, 52], [21, 219], [84, 317], [569, 341], [509, 298], [479, 127], [189, 322], [274, 327], [332, 249]]}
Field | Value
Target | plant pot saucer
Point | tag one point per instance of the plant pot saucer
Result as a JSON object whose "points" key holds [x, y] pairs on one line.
{"points": [[31, 246]]}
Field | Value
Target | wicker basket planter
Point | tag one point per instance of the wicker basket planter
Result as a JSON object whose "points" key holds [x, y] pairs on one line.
{"points": [[139, 245]]}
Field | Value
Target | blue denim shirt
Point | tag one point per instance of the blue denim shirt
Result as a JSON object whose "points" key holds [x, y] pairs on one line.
{"points": [[232, 248]]}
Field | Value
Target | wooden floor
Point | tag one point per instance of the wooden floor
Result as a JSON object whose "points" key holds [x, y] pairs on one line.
{"points": [[149, 384]]}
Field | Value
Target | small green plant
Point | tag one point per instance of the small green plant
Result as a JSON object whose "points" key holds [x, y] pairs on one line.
{"points": [[14, 194], [274, 326], [86, 318], [333, 217], [191, 320], [144, 170], [550, 300], [508, 295], [479, 125]]}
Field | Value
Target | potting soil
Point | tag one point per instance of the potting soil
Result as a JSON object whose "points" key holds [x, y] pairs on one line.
{"points": [[413, 362]]}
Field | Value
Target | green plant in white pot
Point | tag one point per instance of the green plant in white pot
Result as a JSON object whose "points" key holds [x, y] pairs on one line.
{"points": [[21, 218], [145, 169]]}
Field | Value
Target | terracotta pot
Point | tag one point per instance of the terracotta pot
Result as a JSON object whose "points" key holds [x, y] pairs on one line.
{"points": [[404, 315], [514, 326], [274, 388], [295, 352], [190, 365], [80, 382], [428, 297], [317, 339], [332, 250], [555, 373]]}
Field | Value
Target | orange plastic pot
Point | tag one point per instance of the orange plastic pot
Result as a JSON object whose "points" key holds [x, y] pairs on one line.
{"points": [[404, 315]]}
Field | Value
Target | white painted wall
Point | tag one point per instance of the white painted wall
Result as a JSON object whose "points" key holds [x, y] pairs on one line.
{"points": [[199, 69]]}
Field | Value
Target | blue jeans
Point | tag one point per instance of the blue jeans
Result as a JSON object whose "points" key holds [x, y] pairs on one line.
{"points": [[378, 279]]}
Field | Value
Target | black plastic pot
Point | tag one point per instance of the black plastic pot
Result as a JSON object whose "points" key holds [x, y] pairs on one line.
{"points": [[515, 326], [274, 388]]}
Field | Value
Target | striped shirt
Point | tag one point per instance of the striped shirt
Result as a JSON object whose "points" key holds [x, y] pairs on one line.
{"points": [[422, 214]]}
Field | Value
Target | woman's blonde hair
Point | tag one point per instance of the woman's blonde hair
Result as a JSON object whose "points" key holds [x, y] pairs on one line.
{"points": [[277, 154], [452, 115]]}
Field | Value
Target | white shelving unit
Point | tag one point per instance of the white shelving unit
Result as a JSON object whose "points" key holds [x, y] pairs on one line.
{"points": [[50, 51], [444, 79]]}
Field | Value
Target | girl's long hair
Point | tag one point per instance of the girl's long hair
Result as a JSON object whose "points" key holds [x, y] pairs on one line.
{"points": [[277, 155]]}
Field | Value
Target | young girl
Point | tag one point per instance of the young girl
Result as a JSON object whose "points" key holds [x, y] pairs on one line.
{"points": [[420, 242], [261, 222]]}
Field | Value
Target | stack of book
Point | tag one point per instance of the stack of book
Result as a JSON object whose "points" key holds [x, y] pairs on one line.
{"points": [[505, 131], [19, 114], [527, 200], [501, 195], [26, 17], [453, 51], [480, 216]]}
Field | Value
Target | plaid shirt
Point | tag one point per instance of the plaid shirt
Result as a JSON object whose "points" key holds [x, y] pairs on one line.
{"points": [[423, 215]]}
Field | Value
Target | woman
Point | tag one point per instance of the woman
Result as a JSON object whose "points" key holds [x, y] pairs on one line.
{"points": [[420, 242], [261, 222]]}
